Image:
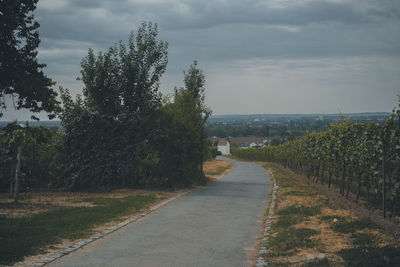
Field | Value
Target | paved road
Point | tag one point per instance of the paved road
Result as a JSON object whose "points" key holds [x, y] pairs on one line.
{"points": [[214, 226]]}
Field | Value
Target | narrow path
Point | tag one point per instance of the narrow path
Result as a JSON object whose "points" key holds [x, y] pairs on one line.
{"points": [[214, 226]]}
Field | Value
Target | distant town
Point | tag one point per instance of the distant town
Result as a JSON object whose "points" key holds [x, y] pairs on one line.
{"points": [[258, 129], [273, 129]]}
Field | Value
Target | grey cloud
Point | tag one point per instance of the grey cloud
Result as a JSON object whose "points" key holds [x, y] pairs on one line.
{"points": [[74, 20], [256, 12], [86, 3], [230, 29], [198, 14]]}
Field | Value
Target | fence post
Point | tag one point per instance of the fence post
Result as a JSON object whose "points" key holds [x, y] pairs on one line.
{"points": [[383, 182], [17, 174]]}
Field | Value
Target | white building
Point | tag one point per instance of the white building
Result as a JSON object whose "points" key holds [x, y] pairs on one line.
{"points": [[224, 147]]}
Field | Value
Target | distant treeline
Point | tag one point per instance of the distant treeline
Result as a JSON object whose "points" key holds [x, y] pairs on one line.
{"points": [[285, 127], [121, 133], [51, 124]]}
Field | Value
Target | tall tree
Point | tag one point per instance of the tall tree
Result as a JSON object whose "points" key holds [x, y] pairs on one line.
{"points": [[190, 110], [109, 134], [21, 75], [124, 81]]}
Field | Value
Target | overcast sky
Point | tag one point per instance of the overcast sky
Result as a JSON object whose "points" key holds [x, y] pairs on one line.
{"points": [[259, 56]]}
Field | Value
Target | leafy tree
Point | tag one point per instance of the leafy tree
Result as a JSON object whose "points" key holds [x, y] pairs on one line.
{"points": [[189, 113], [110, 132], [124, 81], [21, 76], [275, 141]]}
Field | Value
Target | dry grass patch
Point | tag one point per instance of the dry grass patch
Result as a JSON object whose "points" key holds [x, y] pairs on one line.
{"points": [[307, 222], [216, 168], [31, 203]]}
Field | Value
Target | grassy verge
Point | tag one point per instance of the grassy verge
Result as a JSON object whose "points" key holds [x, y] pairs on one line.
{"points": [[23, 236], [309, 225]]}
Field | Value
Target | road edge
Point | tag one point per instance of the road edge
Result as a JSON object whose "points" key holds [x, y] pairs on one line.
{"points": [[106, 232], [267, 224]]}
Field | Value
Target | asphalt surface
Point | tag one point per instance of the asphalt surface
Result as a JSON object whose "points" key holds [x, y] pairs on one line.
{"points": [[213, 226]]}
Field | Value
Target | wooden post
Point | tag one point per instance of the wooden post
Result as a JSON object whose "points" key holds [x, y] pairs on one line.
{"points": [[17, 171], [383, 182]]}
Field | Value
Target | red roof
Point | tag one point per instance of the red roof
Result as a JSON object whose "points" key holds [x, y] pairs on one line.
{"points": [[216, 139], [222, 143], [248, 140]]}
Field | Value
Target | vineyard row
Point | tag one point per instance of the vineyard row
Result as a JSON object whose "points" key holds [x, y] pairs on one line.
{"points": [[358, 158]]}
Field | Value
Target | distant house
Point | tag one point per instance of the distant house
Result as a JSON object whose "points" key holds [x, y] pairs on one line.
{"points": [[224, 147]]}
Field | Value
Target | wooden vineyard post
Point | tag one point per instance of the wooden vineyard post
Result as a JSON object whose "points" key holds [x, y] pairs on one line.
{"points": [[383, 182], [17, 172]]}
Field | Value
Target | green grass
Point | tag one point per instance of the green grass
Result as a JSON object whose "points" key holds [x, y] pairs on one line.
{"points": [[300, 210], [331, 204], [27, 236], [284, 178], [370, 256], [322, 263], [291, 238], [330, 219], [285, 221], [298, 193], [353, 226], [278, 264], [363, 239]]}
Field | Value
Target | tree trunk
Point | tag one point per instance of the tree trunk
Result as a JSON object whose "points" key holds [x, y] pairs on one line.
{"points": [[329, 178], [17, 172], [34, 169], [358, 188], [383, 183], [394, 211], [343, 179], [12, 177], [11, 189], [349, 182], [323, 174]]}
